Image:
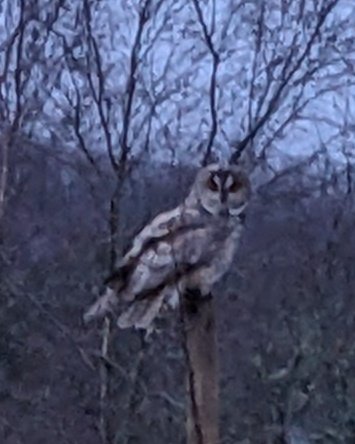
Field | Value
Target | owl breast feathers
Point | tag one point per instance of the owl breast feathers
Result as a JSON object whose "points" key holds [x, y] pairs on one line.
{"points": [[190, 247]]}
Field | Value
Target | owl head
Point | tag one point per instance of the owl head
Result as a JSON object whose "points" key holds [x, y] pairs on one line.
{"points": [[223, 191]]}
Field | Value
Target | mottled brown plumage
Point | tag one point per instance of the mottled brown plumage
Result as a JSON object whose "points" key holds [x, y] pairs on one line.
{"points": [[190, 247]]}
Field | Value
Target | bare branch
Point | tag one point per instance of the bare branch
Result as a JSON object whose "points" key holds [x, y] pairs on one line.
{"points": [[82, 144], [258, 43], [122, 434], [131, 86], [104, 382], [213, 84], [274, 101], [4, 143], [98, 96]]}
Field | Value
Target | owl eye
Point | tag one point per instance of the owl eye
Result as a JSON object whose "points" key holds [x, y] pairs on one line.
{"points": [[236, 186], [211, 184]]}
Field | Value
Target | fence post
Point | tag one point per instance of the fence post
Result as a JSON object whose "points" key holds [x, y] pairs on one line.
{"points": [[200, 347]]}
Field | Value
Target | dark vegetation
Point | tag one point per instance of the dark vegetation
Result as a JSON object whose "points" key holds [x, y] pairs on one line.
{"points": [[285, 315]]}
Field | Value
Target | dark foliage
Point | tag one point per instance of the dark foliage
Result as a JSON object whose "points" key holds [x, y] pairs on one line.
{"points": [[285, 317]]}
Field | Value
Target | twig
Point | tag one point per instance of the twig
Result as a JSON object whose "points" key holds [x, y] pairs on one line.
{"points": [[104, 381], [4, 172], [258, 43], [123, 434], [121, 166], [169, 399], [98, 95], [18, 69], [80, 137], [213, 82], [131, 85], [274, 101]]}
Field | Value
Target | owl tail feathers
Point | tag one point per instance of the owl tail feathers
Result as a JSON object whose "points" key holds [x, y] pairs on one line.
{"points": [[102, 306], [141, 314]]}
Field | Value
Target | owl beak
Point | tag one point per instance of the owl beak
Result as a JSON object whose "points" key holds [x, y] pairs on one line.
{"points": [[237, 211], [224, 212]]}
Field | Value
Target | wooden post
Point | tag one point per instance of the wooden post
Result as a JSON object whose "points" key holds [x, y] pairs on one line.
{"points": [[200, 346]]}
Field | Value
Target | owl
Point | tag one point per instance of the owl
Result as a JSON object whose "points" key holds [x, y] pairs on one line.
{"points": [[188, 248]]}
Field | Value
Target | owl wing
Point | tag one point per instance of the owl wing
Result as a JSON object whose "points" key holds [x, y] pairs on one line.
{"points": [[166, 249]]}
